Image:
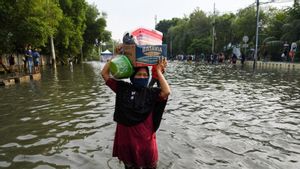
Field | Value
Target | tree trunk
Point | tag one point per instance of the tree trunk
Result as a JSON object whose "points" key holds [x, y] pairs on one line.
{"points": [[53, 52]]}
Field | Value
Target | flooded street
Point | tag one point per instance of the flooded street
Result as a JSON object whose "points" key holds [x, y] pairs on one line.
{"points": [[217, 117]]}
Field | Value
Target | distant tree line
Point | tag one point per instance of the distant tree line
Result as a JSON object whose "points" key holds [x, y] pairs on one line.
{"points": [[73, 25], [193, 34]]}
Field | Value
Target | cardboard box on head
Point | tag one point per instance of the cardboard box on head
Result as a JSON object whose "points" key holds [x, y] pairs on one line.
{"points": [[147, 48], [143, 55]]}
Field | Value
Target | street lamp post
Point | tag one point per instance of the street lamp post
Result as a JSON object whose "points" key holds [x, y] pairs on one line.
{"points": [[213, 31], [256, 36]]}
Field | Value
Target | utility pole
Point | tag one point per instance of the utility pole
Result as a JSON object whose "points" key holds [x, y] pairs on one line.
{"points": [[256, 36], [213, 31]]}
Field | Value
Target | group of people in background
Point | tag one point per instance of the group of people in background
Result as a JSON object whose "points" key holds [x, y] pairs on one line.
{"points": [[215, 58], [220, 58], [31, 60], [288, 53]]}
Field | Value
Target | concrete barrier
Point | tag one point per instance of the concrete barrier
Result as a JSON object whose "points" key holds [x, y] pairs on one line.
{"points": [[36, 76], [7, 82], [276, 65], [21, 79]]}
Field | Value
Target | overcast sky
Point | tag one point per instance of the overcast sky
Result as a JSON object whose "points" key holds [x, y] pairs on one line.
{"points": [[126, 15]]}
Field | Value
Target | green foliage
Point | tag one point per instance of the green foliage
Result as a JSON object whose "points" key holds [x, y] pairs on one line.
{"points": [[179, 36], [272, 49], [193, 34], [164, 25], [268, 39], [33, 22], [185, 30], [199, 24], [291, 31], [52, 15], [95, 29], [276, 19], [6, 36], [245, 24], [293, 13], [225, 33], [199, 46], [27, 22], [69, 38]]}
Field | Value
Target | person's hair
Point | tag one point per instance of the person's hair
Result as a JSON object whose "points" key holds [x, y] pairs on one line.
{"points": [[136, 69]]}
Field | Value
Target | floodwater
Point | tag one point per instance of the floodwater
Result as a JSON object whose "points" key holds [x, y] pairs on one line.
{"points": [[217, 117]]}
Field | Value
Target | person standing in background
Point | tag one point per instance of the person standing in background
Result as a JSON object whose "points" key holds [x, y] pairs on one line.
{"points": [[293, 51], [11, 61], [36, 60], [29, 59], [243, 58], [233, 59]]}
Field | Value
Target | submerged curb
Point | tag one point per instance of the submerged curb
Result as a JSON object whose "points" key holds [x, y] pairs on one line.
{"points": [[277, 65]]}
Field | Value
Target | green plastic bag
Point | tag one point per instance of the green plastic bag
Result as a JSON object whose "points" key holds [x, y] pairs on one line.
{"points": [[121, 67]]}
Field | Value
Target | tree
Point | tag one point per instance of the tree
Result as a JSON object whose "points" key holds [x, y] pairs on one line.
{"points": [[179, 37], [26, 22], [245, 24], [6, 19], [276, 20], [95, 29], [71, 29], [224, 31], [164, 25], [291, 31], [292, 25], [199, 24], [199, 46]]}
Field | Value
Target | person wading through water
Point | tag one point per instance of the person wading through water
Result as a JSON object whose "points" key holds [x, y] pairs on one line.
{"points": [[138, 112]]}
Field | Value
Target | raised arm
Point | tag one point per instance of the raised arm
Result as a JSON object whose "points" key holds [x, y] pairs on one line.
{"points": [[105, 71], [165, 88]]}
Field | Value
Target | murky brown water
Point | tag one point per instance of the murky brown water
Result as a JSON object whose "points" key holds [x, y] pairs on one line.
{"points": [[217, 117]]}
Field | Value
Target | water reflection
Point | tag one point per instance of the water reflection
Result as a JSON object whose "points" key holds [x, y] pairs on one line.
{"points": [[217, 117]]}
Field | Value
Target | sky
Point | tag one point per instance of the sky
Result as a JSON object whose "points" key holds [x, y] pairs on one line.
{"points": [[127, 15]]}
